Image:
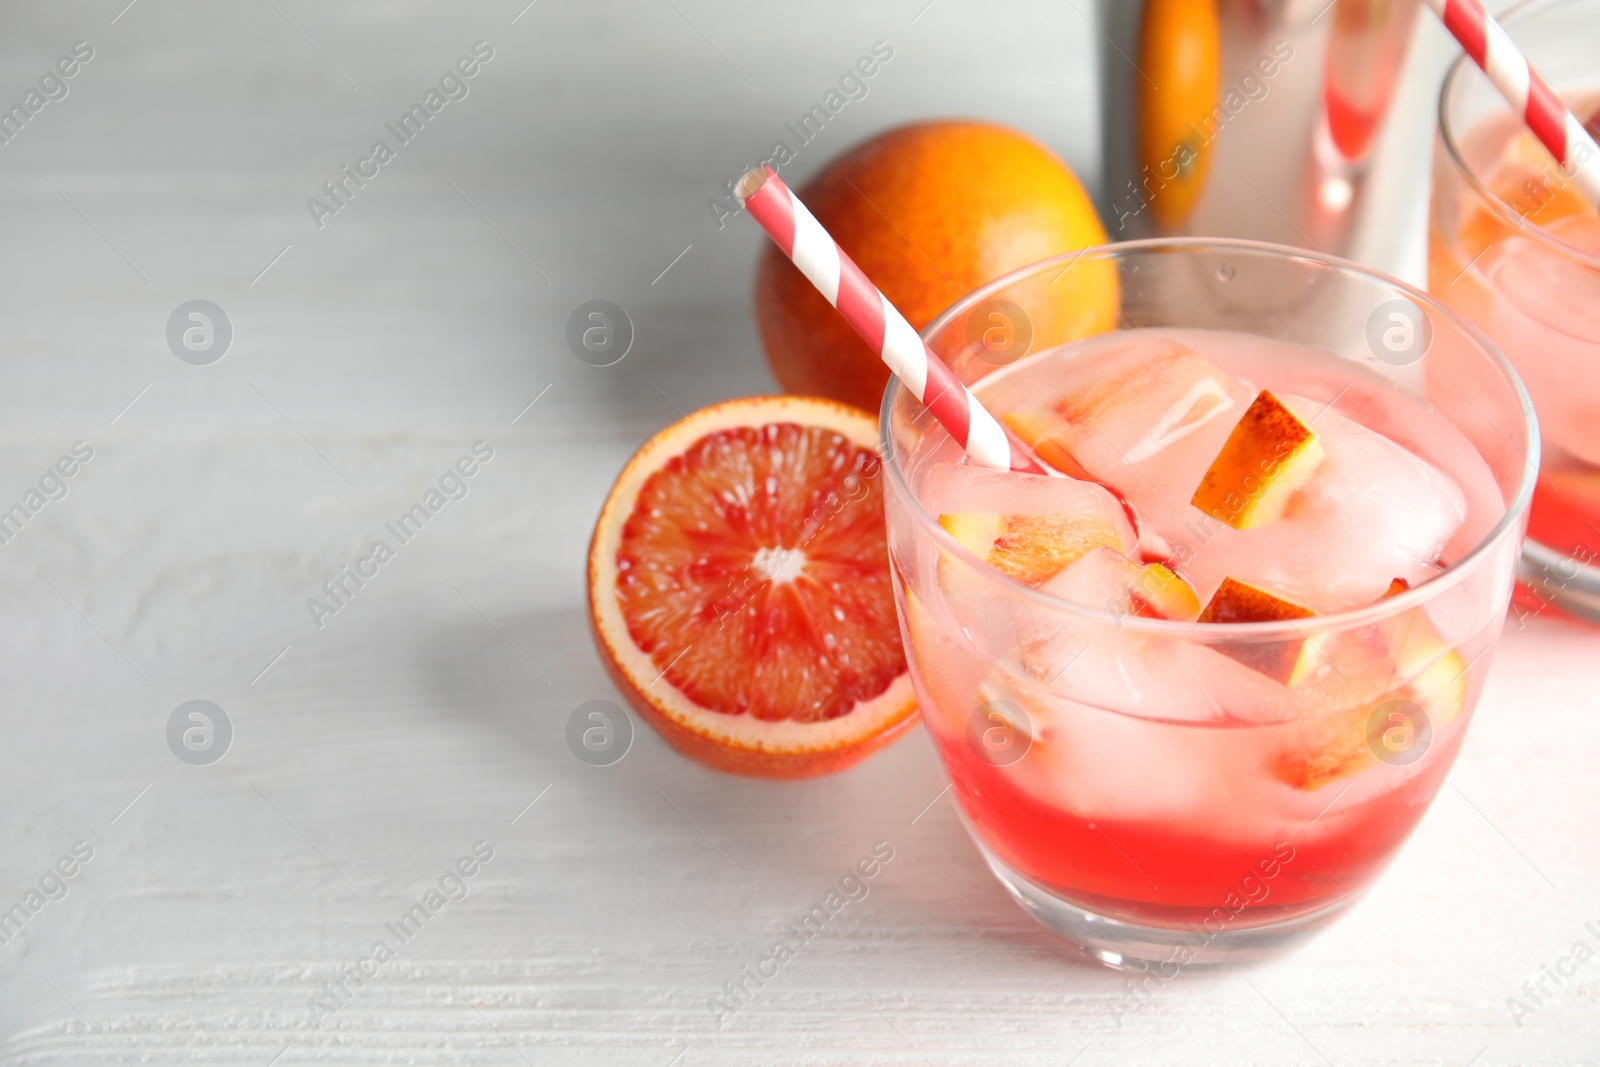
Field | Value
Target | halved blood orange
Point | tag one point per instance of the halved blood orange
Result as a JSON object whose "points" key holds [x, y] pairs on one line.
{"points": [[739, 588]]}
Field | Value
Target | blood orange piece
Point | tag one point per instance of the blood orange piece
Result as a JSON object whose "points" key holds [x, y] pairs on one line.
{"points": [[1285, 661], [739, 588], [1527, 180]]}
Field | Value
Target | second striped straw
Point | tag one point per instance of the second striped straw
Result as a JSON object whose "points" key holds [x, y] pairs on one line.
{"points": [[1525, 90]]}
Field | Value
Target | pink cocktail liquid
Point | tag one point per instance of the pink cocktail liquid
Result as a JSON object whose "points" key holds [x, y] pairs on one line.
{"points": [[1160, 778], [1522, 263]]}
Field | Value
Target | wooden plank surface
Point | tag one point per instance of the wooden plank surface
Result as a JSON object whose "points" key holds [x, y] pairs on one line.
{"points": [[371, 752]]}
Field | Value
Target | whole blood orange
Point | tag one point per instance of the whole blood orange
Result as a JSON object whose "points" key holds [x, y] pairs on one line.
{"points": [[739, 588], [930, 212]]}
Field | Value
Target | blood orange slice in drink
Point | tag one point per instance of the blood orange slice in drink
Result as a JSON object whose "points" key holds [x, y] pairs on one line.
{"points": [[1529, 181], [739, 588]]}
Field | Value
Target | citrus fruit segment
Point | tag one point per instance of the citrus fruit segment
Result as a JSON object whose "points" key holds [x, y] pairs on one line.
{"points": [[1339, 744], [1026, 526], [1052, 451], [1437, 673], [1148, 396], [1325, 750], [1286, 660], [1158, 593], [1105, 578], [1524, 182], [1269, 455], [739, 588], [1029, 548]]}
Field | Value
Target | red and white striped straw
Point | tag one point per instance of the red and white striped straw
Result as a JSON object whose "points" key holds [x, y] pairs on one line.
{"points": [[801, 237], [1528, 93]]}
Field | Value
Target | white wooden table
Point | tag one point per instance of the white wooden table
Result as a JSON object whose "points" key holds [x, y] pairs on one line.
{"points": [[429, 712]]}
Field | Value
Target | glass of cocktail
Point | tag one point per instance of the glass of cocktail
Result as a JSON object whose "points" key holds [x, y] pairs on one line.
{"points": [[1192, 698], [1515, 249]]}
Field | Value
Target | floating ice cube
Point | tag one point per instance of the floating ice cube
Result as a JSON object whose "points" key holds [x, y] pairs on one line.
{"points": [[1027, 526], [1147, 420], [1372, 511], [1106, 579], [1096, 660], [1546, 314], [963, 487]]}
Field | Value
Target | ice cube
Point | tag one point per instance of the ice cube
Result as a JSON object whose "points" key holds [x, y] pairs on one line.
{"points": [[1027, 526], [1547, 317], [1131, 731], [1148, 420], [1102, 765], [1106, 579], [1094, 659], [1371, 512]]}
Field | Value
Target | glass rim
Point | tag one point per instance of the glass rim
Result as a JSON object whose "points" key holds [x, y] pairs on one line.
{"points": [[1414, 597], [1452, 147]]}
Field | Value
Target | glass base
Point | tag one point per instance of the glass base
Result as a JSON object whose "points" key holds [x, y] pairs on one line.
{"points": [[1166, 950], [1564, 583]]}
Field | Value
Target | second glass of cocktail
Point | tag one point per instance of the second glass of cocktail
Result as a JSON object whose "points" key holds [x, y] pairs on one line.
{"points": [[1192, 697], [1515, 248]]}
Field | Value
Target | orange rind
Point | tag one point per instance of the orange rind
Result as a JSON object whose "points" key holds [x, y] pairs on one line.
{"points": [[1288, 660], [1268, 456], [1105, 578], [1427, 691], [740, 593], [1030, 548]]}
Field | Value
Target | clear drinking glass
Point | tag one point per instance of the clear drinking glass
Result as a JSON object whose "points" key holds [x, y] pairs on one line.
{"points": [[1114, 814], [1515, 250]]}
